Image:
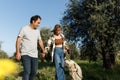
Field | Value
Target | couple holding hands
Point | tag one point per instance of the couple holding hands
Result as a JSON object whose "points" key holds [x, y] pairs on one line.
{"points": [[26, 49]]}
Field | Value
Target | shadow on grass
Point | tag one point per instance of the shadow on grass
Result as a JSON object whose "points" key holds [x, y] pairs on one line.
{"points": [[44, 64]]}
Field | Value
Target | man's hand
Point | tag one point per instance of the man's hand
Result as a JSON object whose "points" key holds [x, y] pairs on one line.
{"points": [[18, 56], [42, 56], [18, 41]]}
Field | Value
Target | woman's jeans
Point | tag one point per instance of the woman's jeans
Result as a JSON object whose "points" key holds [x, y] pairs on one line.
{"points": [[30, 66], [59, 63]]}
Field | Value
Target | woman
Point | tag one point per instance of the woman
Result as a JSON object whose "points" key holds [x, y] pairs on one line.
{"points": [[58, 46]]}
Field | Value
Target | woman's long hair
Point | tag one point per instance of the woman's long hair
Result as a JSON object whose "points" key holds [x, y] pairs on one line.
{"points": [[56, 27]]}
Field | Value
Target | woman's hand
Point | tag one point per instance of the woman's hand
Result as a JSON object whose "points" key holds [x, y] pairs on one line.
{"points": [[68, 50]]}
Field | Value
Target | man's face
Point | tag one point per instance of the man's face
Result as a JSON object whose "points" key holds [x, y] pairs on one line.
{"points": [[36, 23]]}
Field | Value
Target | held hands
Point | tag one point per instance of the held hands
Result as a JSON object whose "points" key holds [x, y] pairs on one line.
{"points": [[43, 54]]}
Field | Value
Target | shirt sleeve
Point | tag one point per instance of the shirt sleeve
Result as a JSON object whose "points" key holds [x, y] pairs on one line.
{"points": [[21, 33]]}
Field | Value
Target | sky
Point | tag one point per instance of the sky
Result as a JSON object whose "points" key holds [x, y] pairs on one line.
{"points": [[15, 14]]}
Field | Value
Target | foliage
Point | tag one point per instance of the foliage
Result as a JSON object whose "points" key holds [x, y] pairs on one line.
{"points": [[96, 24], [74, 51], [45, 34], [3, 54]]}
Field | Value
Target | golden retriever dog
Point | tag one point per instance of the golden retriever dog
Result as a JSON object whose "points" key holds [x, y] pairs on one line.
{"points": [[74, 70]]}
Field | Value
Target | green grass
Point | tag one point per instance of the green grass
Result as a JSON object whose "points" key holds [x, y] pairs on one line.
{"points": [[95, 71], [91, 71], [46, 71]]}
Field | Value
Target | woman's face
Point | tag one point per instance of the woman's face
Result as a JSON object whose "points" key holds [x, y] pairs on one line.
{"points": [[58, 31]]}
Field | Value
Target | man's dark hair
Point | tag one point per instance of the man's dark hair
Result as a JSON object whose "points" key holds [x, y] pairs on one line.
{"points": [[35, 18]]}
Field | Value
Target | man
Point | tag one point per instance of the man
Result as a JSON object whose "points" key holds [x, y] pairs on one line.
{"points": [[26, 47]]}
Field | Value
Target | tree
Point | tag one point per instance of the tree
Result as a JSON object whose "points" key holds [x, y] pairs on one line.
{"points": [[96, 23], [74, 51], [45, 34], [0, 44], [3, 54]]}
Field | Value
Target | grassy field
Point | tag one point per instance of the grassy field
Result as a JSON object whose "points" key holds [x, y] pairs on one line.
{"points": [[91, 71]]}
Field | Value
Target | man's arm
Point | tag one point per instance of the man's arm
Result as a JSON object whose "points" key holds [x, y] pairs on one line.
{"points": [[18, 41], [42, 46], [43, 50]]}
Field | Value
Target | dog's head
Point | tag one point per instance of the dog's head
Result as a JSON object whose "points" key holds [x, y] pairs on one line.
{"points": [[74, 69], [69, 63]]}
